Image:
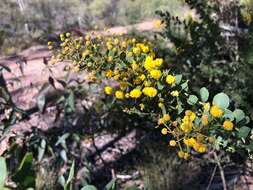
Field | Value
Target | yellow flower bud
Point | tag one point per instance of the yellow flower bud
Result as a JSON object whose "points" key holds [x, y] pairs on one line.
{"points": [[142, 107], [160, 105], [228, 125], [166, 117], [180, 154], [173, 143], [175, 93], [204, 120], [164, 131]]}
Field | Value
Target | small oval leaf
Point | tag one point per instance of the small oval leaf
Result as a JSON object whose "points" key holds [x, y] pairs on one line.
{"points": [[204, 94], [192, 99], [244, 132], [221, 100], [239, 115], [178, 78]]}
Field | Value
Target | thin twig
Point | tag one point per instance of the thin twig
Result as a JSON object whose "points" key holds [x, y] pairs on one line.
{"points": [[221, 171], [211, 178]]}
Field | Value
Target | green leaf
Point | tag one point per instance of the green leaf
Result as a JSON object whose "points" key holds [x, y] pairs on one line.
{"points": [[63, 155], [111, 185], [239, 115], [221, 100], [41, 98], [132, 188], [89, 187], [180, 108], [204, 94], [184, 86], [71, 172], [71, 177], [160, 86], [228, 114], [250, 146], [71, 101], [62, 140], [3, 172], [25, 176], [244, 132], [41, 149], [129, 59], [178, 78], [62, 180], [192, 99]]}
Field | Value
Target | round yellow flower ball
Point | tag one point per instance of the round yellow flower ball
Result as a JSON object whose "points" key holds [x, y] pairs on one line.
{"points": [[119, 94], [108, 90], [164, 131], [150, 91], [135, 93], [173, 143], [180, 154], [155, 74], [216, 111], [228, 125], [170, 79]]}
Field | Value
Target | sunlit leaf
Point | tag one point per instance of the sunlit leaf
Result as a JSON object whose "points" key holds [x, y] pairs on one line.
{"points": [[192, 99], [204, 94], [221, 100]]}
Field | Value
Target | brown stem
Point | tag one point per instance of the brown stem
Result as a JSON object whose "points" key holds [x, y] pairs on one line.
{"points": [[221, 171], [211, 178]]}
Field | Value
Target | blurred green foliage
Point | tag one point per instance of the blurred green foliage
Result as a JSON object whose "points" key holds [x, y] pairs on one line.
{"points": [[208, 54]]}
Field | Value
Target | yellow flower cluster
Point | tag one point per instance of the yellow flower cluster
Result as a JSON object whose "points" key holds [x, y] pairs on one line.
{"points": [[143, 80], [187, 123]]}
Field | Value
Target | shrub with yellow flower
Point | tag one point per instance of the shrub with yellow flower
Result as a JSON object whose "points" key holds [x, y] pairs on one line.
{"points": [[136, 70]]}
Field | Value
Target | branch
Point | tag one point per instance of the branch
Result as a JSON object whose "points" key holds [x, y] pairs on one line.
{"points": [[221, 171]]}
